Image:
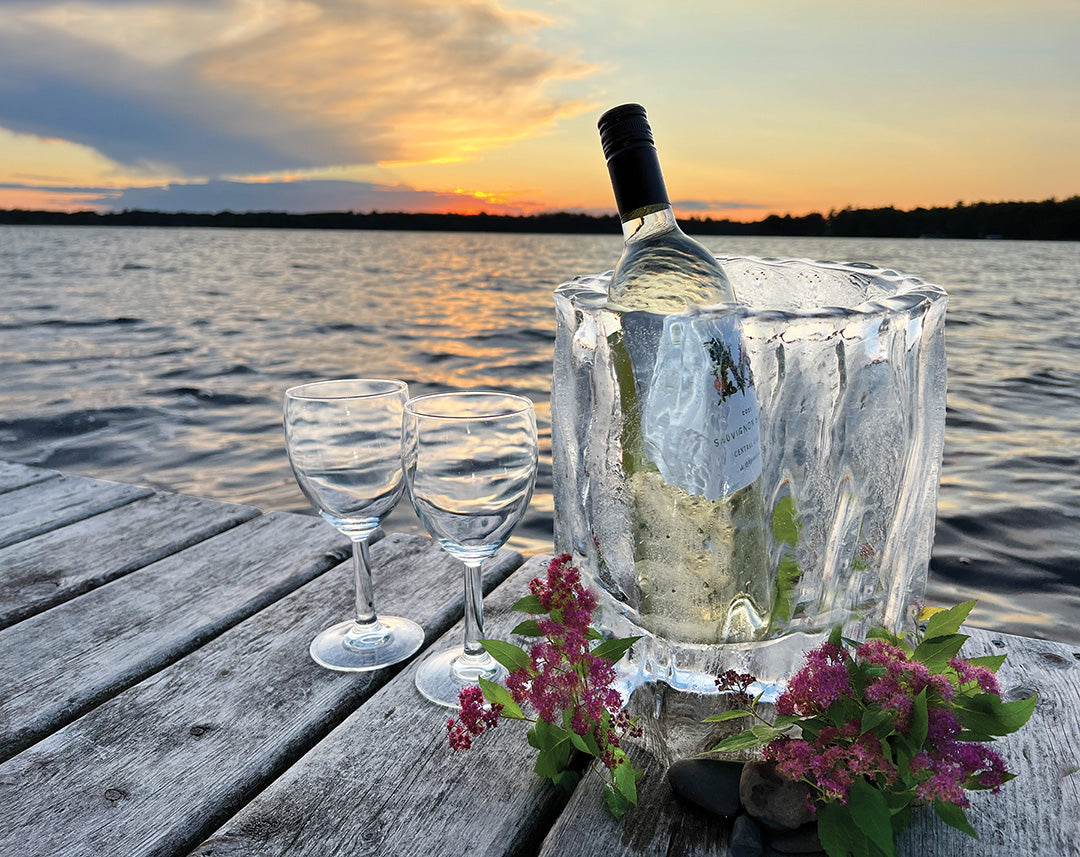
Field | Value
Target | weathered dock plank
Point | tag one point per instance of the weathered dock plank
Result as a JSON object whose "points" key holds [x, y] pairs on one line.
{"points": [[45, 505], [1037, 814], [14, 475], [385, 782], [156, 768], [62, 662], [41, 572]]}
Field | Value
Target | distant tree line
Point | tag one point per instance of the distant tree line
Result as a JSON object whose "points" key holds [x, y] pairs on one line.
{"points": [[1054, 220]]}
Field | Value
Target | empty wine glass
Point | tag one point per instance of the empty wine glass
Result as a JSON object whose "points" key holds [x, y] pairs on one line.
{"points": [[470, 464], [344, 444]]}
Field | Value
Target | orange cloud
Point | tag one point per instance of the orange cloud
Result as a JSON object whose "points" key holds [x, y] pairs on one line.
{"points": [[37, 199], [429, 81]]}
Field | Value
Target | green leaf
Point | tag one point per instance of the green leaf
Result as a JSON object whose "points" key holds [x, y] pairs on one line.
{"points": [[857, 676], [947, 622], [555, 749], [837, 636], [591, 745], [972, 783], [528, 628], [626, 777], [901, 819], [987, 714], [615, 802], [528, 604], [613, 650], [496, 693], [954, 816], [786, 720], [990, 662], [872, 816], [593, 634], [585, 743], [788, 575], [903, 766], [786, 526], [843, 710], [877, 633], [726, 715], [935, 653], [839, 835], [874, 718], [567, 781], [753, 737], [510, 656], [898, 801], [920, 721], [811, 727]]}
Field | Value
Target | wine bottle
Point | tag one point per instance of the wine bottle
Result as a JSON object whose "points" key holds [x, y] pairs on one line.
{"points": [[691, 454]]}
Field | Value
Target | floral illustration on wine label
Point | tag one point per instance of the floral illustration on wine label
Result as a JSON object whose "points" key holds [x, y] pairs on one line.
{"points": [[730, 375]]}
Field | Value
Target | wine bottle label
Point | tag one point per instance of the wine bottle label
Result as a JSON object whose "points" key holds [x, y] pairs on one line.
{"points": [[698, 410]]}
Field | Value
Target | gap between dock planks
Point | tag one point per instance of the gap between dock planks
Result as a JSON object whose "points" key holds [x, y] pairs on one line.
{"points": [[160, 766], [385, 782], [63, 662]]}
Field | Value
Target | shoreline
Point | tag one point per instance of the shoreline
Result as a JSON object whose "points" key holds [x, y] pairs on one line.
{"points": [[1049, 220]]}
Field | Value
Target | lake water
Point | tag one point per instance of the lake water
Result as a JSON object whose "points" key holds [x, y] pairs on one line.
{"points": [[159, 356]]}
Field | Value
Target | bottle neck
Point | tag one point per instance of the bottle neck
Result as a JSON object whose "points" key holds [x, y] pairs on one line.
{"points": [[637, 181], [648, 222]]}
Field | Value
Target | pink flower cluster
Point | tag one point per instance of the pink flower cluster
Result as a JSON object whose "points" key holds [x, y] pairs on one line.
{"points": [[738, 684], [474, 718], [903, 679], [966, 672], [823, 680], [562, 675], [952, 765], [564, 682], [833, 760]]}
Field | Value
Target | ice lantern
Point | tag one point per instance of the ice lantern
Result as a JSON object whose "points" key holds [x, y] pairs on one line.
{"points": [[848, 366]]}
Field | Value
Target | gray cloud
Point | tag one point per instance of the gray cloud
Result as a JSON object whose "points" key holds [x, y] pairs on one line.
{"points": [[294, 196], [714, 205]]}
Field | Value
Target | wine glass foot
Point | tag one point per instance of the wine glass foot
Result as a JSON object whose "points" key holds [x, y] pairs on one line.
{"points": [[340, 648], [442, 676]]}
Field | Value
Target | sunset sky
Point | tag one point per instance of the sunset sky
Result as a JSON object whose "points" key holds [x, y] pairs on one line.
{"points": [[759, 106]]}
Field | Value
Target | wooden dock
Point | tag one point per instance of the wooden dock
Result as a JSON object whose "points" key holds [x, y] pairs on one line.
{"points": [[157, 698]]}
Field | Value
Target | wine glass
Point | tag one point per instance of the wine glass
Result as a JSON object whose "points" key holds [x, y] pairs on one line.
{"points": [[344, 444], [470, 464]]}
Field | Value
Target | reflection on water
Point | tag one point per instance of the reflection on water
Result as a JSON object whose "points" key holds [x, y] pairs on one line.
{"points": [[159, 356]]}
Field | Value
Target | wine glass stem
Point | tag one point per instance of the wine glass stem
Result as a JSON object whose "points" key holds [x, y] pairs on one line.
{"points": [[365, 593], [474, 612]]}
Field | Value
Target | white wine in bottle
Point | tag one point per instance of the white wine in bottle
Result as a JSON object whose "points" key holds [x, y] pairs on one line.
{"points": [[691, 454]]}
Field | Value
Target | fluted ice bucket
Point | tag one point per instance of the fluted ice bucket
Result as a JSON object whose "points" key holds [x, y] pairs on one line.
{"points": [[848, 362]]}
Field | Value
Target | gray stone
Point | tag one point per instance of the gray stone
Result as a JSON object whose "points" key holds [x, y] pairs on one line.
{"points": [[711, 784], [746, 838], [774, 800]]}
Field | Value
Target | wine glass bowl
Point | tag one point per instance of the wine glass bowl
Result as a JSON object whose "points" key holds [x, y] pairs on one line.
{"points": [[344, 444], [470, 465]]}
